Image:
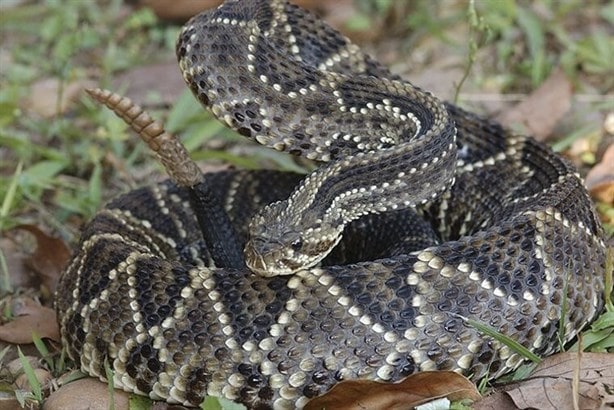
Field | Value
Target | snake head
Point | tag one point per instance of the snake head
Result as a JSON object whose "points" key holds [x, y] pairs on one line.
{"points": [[282, 244]]}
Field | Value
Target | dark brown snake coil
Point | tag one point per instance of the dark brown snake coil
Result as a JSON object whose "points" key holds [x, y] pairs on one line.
{"points": [[514, 243]]}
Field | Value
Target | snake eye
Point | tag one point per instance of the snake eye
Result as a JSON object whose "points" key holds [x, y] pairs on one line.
{"points": [[297, 244]]}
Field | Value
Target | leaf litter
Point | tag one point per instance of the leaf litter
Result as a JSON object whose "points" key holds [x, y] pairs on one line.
{"points": [[412, 391], [541, 111], [563, 381]]}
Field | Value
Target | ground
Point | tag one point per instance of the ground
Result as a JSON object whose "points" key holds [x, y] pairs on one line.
{"points": [[542, 67]]}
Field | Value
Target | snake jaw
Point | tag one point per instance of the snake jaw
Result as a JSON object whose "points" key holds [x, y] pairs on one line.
{"points": [[255, 262], [269, 253], [268, 259], [265, 252], [270, 256], [278, 245]]}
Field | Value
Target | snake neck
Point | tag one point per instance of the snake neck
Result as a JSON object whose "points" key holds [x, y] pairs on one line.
{"points": [[299, 232]]}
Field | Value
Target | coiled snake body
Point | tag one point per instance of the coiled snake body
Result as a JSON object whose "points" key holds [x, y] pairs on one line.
{"points": [[445, 216]]}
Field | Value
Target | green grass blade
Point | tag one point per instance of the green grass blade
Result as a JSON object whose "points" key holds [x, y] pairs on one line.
{"points": [[35, 385], [43, 351], [139, 402], [595, 338], [583, 132], [109, 375], [219, 403], [506, 340], [5, 279], [603, 346], [10, 195], [524, 371]]}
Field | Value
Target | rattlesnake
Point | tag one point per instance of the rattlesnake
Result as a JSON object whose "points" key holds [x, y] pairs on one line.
{"points": [[503, 233]]}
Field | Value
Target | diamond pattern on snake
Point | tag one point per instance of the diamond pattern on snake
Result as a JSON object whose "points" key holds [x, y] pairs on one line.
{"points": [[419, 217]]}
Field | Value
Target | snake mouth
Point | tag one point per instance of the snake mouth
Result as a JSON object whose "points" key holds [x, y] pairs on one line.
{"points": [[254, 261], [267, 262]]}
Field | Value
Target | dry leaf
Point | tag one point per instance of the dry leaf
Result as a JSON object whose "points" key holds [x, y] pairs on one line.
{"points": [[600, 179], [412, 391], [42, 375], [30, 317], [49, 258], [15, 366], [550, 385], [86, 393], [496, 401], [552, 394], [543, 108], [8, 401], [594, 367]]}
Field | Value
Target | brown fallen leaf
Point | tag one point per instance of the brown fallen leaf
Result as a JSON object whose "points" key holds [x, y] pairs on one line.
{"points": [[43, 376], [15, 366], [495, 401], [49, 258], [600, 179], [87, 393], [550, 386], [552, 394], [9, 401], [594, 367], [30, 317], [410, 392], [539, 113]]}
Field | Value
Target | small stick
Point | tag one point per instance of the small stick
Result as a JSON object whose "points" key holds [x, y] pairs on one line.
{"points": [[215, 225]]}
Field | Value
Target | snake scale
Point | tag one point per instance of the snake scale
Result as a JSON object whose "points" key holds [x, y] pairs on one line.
{"points": [[445, 216]]}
